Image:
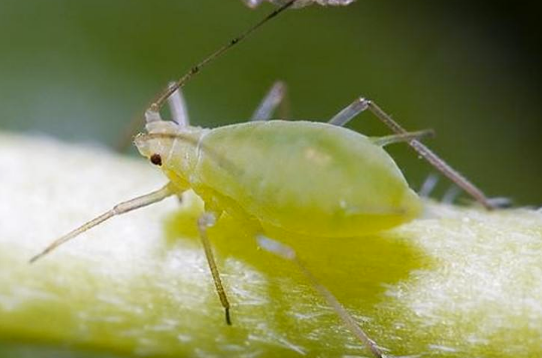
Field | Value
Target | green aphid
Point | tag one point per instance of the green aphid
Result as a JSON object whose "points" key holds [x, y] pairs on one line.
{"points": [[303, 177]]}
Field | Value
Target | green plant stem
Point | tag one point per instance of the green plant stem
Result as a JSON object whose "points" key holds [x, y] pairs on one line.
{"points": [[457, 282]]}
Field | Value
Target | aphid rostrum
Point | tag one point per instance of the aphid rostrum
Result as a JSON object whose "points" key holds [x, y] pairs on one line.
{"points": [[311, 178]]}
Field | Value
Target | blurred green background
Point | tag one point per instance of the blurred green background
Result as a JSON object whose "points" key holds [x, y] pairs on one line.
{"points": [[80, 70]]}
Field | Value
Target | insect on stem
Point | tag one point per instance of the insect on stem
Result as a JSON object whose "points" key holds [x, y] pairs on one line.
{"points": [[160, 100]]}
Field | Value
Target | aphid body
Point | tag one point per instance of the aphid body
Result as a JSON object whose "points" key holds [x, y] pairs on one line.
{"points": [[303, 177]]}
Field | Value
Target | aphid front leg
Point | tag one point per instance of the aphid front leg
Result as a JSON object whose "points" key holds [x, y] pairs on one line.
{"points": [[273, 99], [205, 221], [288, 253], [119, 209], [362, 104]]}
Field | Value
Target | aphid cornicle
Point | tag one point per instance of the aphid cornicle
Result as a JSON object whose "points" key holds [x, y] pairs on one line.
{"points": [[317, 179]]}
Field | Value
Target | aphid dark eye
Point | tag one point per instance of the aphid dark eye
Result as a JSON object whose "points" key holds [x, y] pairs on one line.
{"points": [[156, 159]]}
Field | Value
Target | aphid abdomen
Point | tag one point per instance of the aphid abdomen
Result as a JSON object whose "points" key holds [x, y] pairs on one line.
{"points": [[307, 177]]}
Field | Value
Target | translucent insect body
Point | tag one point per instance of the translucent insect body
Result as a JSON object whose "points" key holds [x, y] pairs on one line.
{"points": [[311, 178], [305, 177]]}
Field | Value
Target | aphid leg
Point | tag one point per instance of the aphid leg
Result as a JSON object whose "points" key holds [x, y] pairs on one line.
{"points": [[428, 185], [288, 253], [362, 104], [253, 3], [178, 108], [501, 202], [118, 209], [348, 113], [271, 101], [450, 195], [404, 137], [207, 220]]}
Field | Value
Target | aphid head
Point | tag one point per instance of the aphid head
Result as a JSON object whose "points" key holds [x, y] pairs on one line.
{"points": [[167, 144], [156, 143]]}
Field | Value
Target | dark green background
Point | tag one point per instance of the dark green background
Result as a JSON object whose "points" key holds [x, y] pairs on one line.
{"points": [[80, 70]]}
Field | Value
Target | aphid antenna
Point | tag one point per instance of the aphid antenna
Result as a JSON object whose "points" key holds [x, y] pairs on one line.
{"points": [[159, 101], [152, 114]]}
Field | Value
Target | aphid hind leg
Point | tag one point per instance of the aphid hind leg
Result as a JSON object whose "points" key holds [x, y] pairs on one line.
{"points": [[178, 108], [362, 104], [274, 98], [119, 209], [288, 253], [205, 221]]}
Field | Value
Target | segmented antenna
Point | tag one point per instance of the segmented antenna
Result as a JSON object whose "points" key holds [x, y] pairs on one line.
{"points": [[160, 100]]}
